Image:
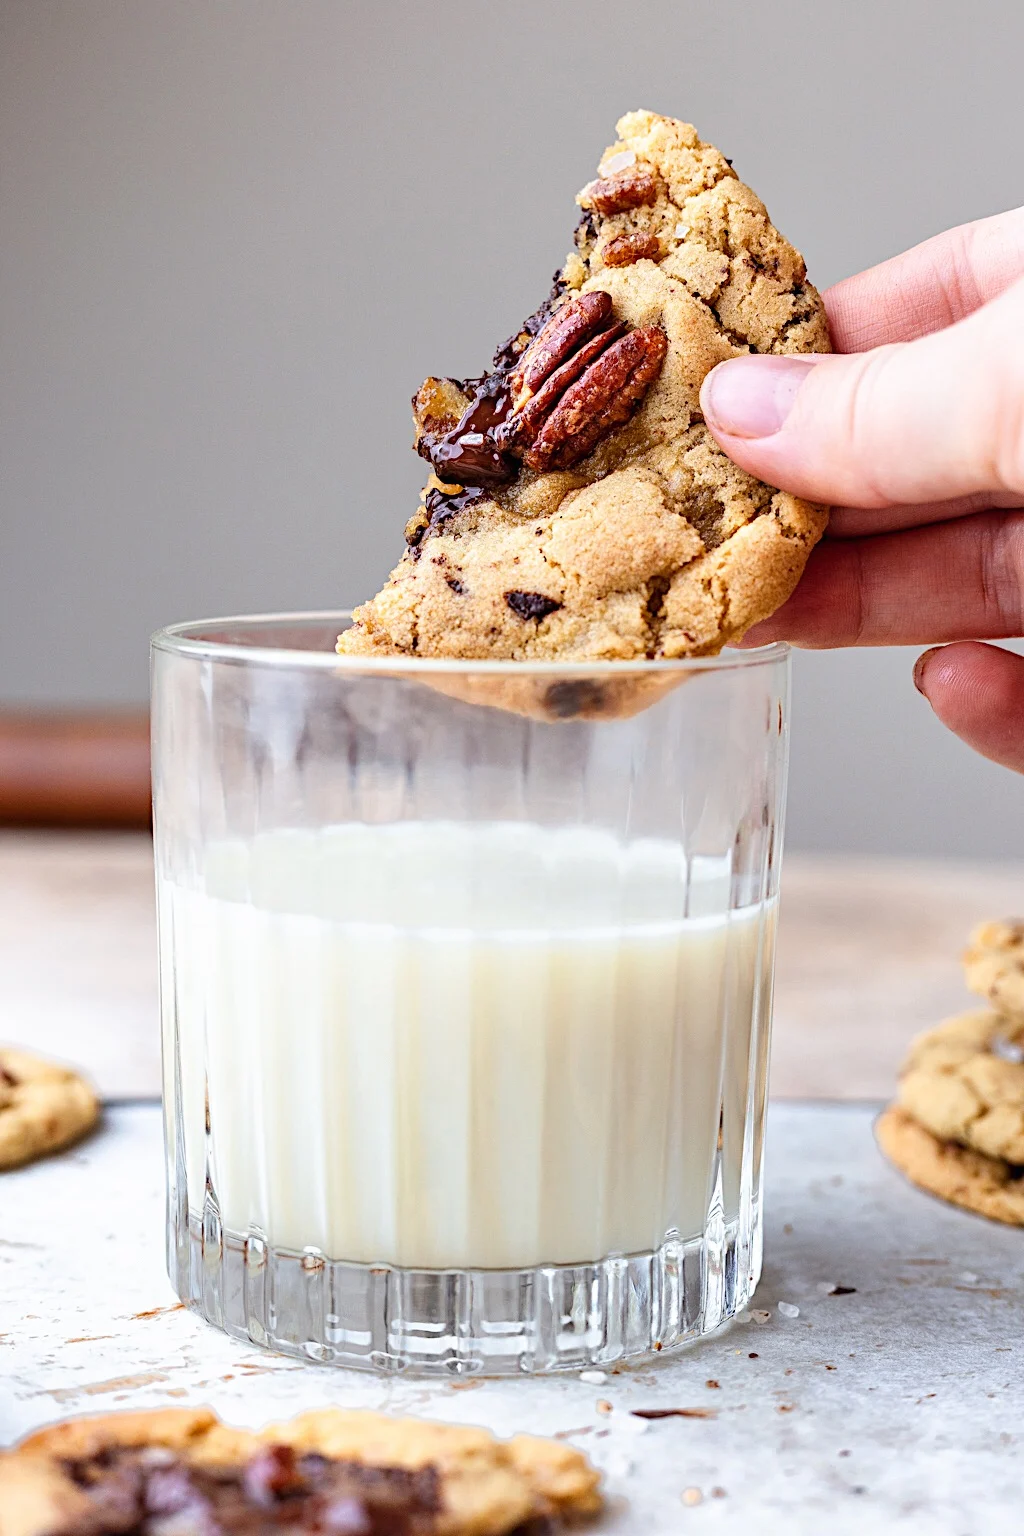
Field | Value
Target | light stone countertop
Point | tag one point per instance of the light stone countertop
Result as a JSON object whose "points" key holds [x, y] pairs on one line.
{"points": [[898, 1407]]}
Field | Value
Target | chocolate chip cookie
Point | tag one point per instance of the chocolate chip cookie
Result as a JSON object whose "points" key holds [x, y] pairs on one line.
{"points": [[964, 1082], [994, 965], [43, 1107], [986, 1185], [347, 1473], [578, 508]]}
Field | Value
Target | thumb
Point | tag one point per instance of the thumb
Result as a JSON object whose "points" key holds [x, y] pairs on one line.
{"points": [[919, 421]]}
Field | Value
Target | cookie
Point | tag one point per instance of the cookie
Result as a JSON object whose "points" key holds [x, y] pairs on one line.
{"points": [[578, 508], [994, 965], [961, 1089], [986, 1185], [43, 1107], [325, 1471]]}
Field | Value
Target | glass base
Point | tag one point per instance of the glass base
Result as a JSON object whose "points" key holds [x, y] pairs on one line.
{"points": [[473, 1322]]}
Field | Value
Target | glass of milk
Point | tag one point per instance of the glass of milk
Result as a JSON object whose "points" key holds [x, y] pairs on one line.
{"points": [[466, 979]]}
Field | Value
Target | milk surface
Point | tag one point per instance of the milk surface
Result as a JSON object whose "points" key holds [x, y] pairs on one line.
{"points": [[464, 1045]]}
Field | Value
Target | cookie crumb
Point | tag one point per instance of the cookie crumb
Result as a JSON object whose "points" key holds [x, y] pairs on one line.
{"points": [[692, 1496]]}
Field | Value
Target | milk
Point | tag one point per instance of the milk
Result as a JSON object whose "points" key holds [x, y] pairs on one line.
{"points": [[463, 1045]]}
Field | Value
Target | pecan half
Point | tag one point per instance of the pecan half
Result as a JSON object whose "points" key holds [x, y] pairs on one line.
{"points": [[635, 187], [523, 425], [625, 249], [603, 398], [567, 330]]}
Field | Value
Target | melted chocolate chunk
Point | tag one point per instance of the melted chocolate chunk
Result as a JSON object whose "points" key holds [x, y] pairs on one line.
{"points": [[468, 454], [531, 605], [131, 1492], [442, 505]]}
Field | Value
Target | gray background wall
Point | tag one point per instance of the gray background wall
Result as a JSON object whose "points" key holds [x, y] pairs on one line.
{"points": [[237, 233]]}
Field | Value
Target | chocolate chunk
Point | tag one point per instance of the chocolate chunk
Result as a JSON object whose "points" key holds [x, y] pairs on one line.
{"points": [[586, 229], [577, 697], [170, 1491], [440, 507], [468, 454], [346, 1516], [270, 1474], [131, 1491], [456, 585], [531, 605]]}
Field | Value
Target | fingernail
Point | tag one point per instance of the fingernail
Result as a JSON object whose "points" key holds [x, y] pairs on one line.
{"points": [[920, 664], [752, 396]]}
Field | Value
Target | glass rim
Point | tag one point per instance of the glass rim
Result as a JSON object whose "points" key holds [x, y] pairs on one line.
{"points": [[182, 640]]}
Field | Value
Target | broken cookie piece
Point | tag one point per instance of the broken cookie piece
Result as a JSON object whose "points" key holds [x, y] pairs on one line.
{"points": [[578, 509], [180, 1472]]}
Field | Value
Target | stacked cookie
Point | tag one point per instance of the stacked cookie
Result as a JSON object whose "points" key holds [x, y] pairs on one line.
{"points": [[957, 1126]]}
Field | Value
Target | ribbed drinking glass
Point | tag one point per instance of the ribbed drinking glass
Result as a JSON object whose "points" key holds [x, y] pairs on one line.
{"points": [[466, 979]]}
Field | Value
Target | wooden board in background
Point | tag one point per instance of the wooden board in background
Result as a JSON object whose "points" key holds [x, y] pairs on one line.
{"points": [[74, 768]]}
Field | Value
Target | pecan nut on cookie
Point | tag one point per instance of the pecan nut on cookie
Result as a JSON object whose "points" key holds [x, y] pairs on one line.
{"points": [[180, 1472], [578, 508]]}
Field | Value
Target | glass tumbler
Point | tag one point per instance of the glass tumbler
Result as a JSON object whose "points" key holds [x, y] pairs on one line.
{"points": [[466, 979]]}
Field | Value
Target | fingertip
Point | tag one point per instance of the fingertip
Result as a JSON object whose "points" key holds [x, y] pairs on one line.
{"points": [[921, 666], [977, 691]]}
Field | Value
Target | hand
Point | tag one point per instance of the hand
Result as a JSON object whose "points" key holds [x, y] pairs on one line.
{"points": [[916, 437]]}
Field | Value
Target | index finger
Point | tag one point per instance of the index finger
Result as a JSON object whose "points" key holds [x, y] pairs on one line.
{"points": [[928, 287], [961, 580]]}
